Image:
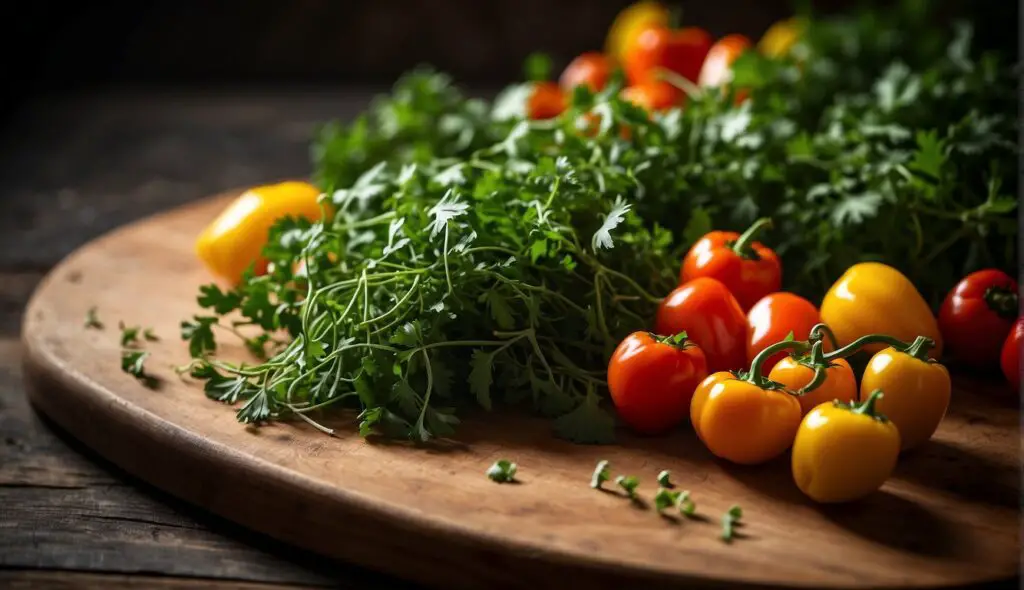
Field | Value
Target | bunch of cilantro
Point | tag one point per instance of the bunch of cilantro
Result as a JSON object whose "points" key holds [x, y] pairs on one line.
{"points": [[473, 258]]}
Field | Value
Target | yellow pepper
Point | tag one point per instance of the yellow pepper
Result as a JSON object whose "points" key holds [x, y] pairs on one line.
{"points": [[917, 390], [234, 240], [844, 452], [872, 297], [780, 37], [629, 23]]}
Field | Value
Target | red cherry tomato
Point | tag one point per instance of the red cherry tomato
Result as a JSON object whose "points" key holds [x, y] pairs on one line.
{"points": [[749, 269], [546, 101], [977, 315], [772, 318], [681, 51], [1010, 357], [652, 96], [709, 314], [652, 380], [591, 69]]}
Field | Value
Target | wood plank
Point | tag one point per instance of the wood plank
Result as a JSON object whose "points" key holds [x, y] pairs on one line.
{"points": [[63, 508], [34, 579], [949, 516]]}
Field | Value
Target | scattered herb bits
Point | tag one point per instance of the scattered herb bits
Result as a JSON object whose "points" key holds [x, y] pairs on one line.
{"points": [[503, 471], [629, 483], [731, 520], [686, 506], [663, 479], [92, 320], [133, 363], [666, 498], [129, 334], [601, 475]]}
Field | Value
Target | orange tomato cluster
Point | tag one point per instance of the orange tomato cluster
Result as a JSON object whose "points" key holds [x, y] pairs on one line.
{"points": [[657, 58]]}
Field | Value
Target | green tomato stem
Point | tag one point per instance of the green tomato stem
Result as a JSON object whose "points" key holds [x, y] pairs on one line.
{"points": [[820, 331], [867, 408], [918, 349], [743, 244], [755, 376], [1002, 301]]}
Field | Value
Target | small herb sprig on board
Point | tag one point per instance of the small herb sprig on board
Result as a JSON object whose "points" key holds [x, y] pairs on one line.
{"points": [[469, 246]]}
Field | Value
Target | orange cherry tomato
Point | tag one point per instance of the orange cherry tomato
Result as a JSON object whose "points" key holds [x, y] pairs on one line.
{"points": [[592, 69], [716, 70], [976, 316], [658, 47], [653, 96], [749, 269], [546, 101], [773, 317], [709, 314], [741, 422], [652, 379], [840, 382]]}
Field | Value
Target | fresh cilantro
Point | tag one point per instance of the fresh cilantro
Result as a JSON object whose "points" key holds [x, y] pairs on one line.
{"points": [[199, 334], [731, 520], [664, 479], [587, 424], [602, 237], [537, 67], [629, 484], [129, 334], [133, 363], [601, 474], [502, 471]]}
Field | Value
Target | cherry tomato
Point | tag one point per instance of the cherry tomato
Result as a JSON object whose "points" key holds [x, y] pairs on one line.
{"points": [[716, 70], [1010, 357], [658, 47], [591, 69], [772, 318], [709, 314], [652, 380], [977, 315], [749, 269], [546, 101], [840, 382], [652, 96]]}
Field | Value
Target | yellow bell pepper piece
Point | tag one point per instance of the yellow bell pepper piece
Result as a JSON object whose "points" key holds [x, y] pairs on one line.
{"points": [[917, 391], [235, 239], [780, 37], [844, 452], [873, 298], [629, 23]]}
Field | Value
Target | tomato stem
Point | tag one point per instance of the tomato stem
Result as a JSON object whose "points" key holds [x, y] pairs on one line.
{"points": [[816, 361], [754, 375], [1002, 301], [917, 349], [680, 340], [867, 407], [743, 244], [820, 331]]}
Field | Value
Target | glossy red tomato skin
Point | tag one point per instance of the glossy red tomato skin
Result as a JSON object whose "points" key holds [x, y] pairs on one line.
{"points": [[772, 318], [546, 101], [591, 69], [709, 314], [681, 51], [653, 96], [652, 382], [1010, 357], [976, 317], [748, 279]]}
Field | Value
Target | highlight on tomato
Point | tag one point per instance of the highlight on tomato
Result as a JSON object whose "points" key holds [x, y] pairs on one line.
{"points": [[546, 101], [717, 67], [591, 69], [653, 96], [977, 315], [660, 47], [652, 379]]}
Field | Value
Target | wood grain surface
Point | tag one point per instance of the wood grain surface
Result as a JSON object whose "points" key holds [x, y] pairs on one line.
{"points": [[949, 517]]}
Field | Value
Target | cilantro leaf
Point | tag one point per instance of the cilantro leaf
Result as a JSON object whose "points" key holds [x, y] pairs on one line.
{"points": [[587, 424], [602, 237], [481, 378], [199, 334]]}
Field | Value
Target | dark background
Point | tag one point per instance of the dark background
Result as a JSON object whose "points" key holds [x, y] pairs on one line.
{"points": [[55, 46]]}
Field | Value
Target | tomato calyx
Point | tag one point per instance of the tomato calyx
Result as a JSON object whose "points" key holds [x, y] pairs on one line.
{"points": [[1001, 300], [865, 408], [743, 245], [678, 341]]}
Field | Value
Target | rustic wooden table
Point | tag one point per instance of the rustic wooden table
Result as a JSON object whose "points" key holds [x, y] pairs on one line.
{"points": [[71, 170]]}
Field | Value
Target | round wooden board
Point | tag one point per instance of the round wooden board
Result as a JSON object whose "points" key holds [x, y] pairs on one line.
{"points": [[950, 515]]}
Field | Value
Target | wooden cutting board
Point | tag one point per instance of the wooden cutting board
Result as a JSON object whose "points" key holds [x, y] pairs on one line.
{"points": [[949, 516]]}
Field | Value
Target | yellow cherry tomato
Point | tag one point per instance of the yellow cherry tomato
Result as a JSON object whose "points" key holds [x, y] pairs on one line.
{"points": [[874, 298], [741, 422], [780, 37], [844, 452], [628, 25], [235, 239], [840, 383], [917, 391]]}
